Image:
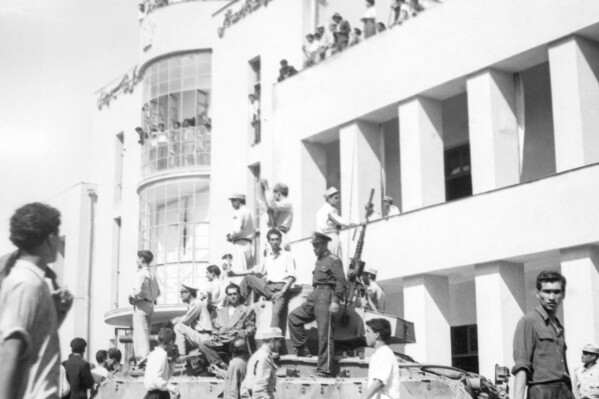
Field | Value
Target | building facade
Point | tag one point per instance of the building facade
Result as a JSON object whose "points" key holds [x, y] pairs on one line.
{"points": [[479, 119]]}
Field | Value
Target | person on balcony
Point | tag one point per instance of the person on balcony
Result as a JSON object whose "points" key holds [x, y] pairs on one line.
{"points": [[355, 37], [285, 71], [326, 41], [311, 51], [242, 233], [388, 207], [369, 19], [342, 32], [255, 116]]}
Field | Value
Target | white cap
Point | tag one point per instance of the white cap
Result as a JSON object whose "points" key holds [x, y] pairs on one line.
{"points": [[272, 332]]}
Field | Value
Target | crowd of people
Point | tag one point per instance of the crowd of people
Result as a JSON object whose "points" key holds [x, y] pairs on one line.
{"points": [[220, 321], [323, 43]]}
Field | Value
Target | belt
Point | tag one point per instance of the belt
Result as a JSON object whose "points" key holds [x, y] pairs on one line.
{"points": [[323, 286], [242, 239]]}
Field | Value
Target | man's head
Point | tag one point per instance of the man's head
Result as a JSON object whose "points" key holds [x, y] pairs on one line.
{"points": [[252, 97], [238, 347], [357, 32], [233, 293], [34, 229], [317, 36], [320, 244], [337, 17], [78, 345], [144, 258], [590, 354], [227, 262], [166, 338], [309, 38], [212, 272], [551, 290], [380, 27], [320, 30], [369, 3], [101, 356], [284, 63], [113, 358], [377, 330], [387, 201], [332, 196], [369, 274], [237, 200], [132, 361], [187, 292], [273, 338], [274, 239], [279, 190]]}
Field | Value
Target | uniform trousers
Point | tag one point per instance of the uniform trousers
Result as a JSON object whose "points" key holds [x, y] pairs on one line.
{"points": [[252, 282], [187, 337], [552, 390], [316, 308], [142, 322]]}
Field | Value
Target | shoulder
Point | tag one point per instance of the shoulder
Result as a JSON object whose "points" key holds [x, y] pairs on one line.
{"points": [[334, 259]]}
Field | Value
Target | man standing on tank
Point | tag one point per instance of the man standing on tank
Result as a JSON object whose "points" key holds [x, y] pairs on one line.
{"points": [[539, 345], [329, 287]]}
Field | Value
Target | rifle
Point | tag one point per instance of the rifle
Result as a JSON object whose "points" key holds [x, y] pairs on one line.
{"points": [[356, 265]]}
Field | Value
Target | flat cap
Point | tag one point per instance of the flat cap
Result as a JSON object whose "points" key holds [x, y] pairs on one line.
{"points": [[336, 15], [237, 196], [387, 198], [370, 270], [272, 332], [319, 237], [331, 191], [592, 348]]}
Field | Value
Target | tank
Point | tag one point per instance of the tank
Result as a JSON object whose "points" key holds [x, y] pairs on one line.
{"points": [[296, 374]]}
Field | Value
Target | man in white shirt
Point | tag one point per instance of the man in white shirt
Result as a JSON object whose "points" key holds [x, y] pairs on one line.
{"points": [[145, 292], [329, 222], [100, 372], [375, 296], [159, 368], [272, 279], [213, 293], [383, 369], [242, 233], [585, 381], [32, 306], [389, 209]]}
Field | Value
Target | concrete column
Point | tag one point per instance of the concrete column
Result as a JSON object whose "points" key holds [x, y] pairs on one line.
{"points": [[500, 303], [421, 150], [580, 266], [359, 148], [313, 183], [426, 304], [493, 130], [574, 65]]}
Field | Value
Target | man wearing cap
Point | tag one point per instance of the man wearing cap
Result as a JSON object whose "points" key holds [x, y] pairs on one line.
{"points": [[375, 296], [585, 382], [326, 41], [242, 233], [195, 326], [389, 208], [328, 220], [279, 208], [145, 292], [540, 346], [272, 279], [261, 378], [329, 284]]}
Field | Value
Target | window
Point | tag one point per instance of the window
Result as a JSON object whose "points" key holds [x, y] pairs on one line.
{"points": [[255, 100], [176, 113], [256, 210], [458, 179], [174, 226], [118, 166], [116, 255], [464, 347]]}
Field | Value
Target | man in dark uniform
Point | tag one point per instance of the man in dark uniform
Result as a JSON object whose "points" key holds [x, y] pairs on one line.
{"points": [[329, 287]]}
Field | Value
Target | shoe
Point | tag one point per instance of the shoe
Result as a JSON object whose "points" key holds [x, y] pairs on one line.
{"points": [[302, 352]]}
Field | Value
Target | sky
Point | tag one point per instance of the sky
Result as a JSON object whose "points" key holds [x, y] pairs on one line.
{"points": [[55, 54]]}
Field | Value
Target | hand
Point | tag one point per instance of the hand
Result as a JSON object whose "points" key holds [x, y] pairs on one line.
{"points": [[63, 300], [334, 308], [131, 300]]}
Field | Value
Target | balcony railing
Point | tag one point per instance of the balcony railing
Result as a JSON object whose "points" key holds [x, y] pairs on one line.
{"points": [[181, 148]]}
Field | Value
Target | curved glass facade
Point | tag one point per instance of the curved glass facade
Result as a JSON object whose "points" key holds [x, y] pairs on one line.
{"points": [[175, 113], [174, 226]]}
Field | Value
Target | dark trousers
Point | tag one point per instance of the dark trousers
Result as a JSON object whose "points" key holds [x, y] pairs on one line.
{"points": [[211, 350], [156, 394], [251, 282], [551, 390], [316, 308]]}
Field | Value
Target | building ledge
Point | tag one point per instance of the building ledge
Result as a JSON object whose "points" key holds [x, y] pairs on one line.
{"points": [[122, 317]]}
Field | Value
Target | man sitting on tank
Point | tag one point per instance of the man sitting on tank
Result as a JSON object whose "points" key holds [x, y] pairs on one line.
{"points": [[272, 279], [233, 321]]}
